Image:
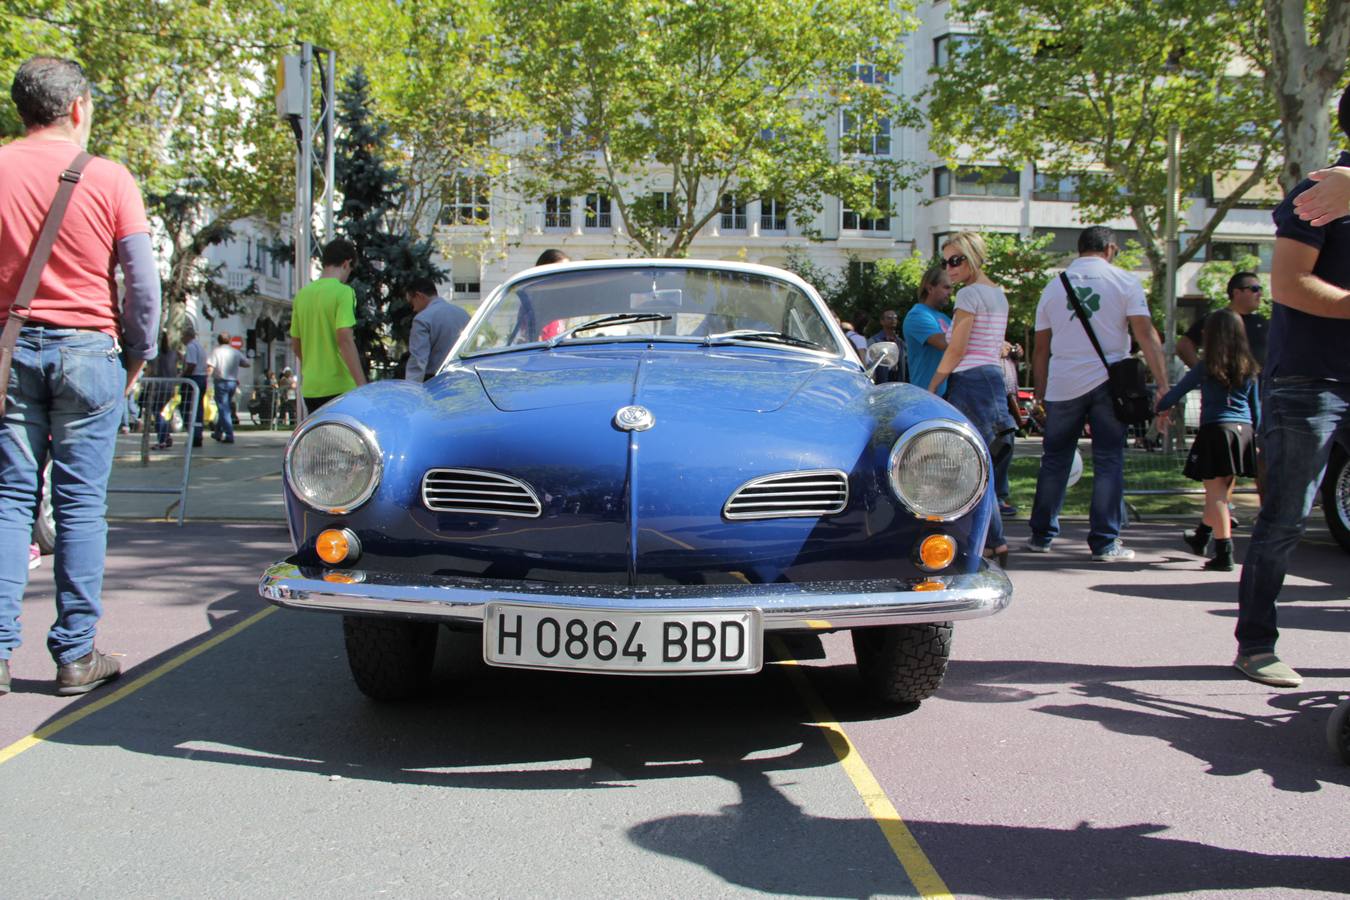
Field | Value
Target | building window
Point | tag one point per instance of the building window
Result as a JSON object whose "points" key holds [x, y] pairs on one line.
{"points": [[976, 181], [881, 199], [465, 201], [871, 138], [558, 212], [1236, 251], [666, 213], [463, 288], [948, 47], [733, 213], [1055, 186], [562, 137], [772, 214], [870, 74], [276, 266], [599, 211]]}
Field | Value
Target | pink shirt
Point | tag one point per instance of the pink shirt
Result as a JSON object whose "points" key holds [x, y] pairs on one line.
{"points": [[990, 308], [78, 288]]}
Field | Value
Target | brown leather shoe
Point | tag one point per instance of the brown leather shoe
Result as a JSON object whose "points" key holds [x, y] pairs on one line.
{"points": [[4, 676], [86, 673]]}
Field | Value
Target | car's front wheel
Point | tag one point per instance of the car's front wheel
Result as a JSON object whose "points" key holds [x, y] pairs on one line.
{"points": [[390, 659], [1336, 497], [903, 663]]}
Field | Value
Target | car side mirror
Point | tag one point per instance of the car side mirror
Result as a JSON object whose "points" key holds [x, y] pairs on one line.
{"points": [[882, 353]]}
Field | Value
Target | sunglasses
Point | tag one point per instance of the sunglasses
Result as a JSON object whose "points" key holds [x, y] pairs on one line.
{"points": [[952, 262], [1254, 288]]}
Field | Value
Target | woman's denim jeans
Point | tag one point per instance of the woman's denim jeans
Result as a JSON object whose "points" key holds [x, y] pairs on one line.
{"points": [[65, 402], [1064, 420], [1300, 419], [981, 396]]}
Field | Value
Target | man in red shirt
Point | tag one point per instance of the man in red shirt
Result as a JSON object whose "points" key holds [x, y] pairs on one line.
{"points": [[67, 382]]}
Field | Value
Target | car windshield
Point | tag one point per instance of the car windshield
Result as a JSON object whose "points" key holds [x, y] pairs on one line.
{"points": [[715, 306]]}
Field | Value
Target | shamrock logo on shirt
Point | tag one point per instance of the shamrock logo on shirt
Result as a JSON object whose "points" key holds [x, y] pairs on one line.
{"points": [[1090, 299]]}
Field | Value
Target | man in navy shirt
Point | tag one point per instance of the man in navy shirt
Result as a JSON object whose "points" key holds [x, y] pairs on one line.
{"points": [[1306, 407]]}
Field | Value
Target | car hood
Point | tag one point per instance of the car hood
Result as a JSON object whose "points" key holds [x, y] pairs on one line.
{"points": [[740, 379]]}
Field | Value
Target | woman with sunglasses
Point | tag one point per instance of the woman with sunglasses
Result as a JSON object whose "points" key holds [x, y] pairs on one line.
{"points": [[972, 365]]}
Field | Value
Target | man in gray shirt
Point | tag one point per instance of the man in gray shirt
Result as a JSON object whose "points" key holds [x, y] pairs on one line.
{"points": [[223, 367], [435, 328]]}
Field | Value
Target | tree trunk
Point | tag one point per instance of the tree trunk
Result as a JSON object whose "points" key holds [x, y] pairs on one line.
{"points": [[1303, 78]]}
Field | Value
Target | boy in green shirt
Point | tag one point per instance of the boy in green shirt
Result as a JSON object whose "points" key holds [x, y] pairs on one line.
{"points": [[323, 315]]}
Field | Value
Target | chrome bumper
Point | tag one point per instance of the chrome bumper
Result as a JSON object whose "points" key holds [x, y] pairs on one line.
{"points": [[816, 606]]}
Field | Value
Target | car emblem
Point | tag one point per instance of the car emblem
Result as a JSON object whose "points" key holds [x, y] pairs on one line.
{"points": [[634, 418]]}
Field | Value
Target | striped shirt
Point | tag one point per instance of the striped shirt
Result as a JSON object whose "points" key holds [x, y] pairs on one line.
{"points": [[990, 308]]}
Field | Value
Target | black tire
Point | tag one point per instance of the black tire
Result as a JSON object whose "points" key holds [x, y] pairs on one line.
{"points": [[44, 528], [903, 663], [1338, 732], [390, 659], [1336, 497]]}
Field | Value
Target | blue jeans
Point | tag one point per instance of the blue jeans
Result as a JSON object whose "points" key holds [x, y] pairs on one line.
{"points": [[65, 401], [1064, 421], [1300, 419], [980, 395], [225, 388]]}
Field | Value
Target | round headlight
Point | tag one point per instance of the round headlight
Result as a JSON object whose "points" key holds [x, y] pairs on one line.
{"points": [[939, 471], [333, 466]]}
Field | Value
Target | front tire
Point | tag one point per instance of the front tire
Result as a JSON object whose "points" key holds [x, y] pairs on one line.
{"points": [[1336, 497], [390, 659], [903, 663]]}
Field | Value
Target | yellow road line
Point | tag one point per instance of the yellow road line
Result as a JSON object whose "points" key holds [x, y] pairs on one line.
{"points": [[912, 858], [127, 690]]}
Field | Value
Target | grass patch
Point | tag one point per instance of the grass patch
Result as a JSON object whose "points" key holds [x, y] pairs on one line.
{"points": [[1143, 471]]}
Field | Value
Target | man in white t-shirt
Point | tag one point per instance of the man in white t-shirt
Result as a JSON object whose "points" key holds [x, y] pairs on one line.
{"points": [[1070, 379]]}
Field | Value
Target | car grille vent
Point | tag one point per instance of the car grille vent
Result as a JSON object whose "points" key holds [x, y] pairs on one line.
{"points": [[477, 491], [819, 493]]}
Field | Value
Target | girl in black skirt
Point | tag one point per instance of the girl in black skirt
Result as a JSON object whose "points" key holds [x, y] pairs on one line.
{"points": [[1225, 446]]}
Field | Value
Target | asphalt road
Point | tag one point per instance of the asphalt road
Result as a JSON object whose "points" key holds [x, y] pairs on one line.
{"points": [[1092, 741]]}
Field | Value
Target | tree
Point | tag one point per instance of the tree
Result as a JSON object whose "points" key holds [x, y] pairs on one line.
{"points": [[733, 97], [442, 98], [1089, 88], [183, 99], [388, 259], [1305, 77]]}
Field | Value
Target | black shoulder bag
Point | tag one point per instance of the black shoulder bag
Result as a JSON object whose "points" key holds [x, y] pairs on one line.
{"points": [[1127, 380]]}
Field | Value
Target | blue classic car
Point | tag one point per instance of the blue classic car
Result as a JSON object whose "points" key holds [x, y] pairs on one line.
{"points": [[642, 467]]}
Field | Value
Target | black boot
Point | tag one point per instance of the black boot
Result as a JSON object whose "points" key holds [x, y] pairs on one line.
{"points": [[1198, 539], [1223, 556]]}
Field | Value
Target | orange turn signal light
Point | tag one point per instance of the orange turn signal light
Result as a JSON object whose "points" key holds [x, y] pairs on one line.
{"points": [[336, 545], [937, 551]]}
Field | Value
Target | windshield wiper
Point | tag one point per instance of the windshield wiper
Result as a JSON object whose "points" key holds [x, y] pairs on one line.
{"points": [[617, 319], [766, 337]]}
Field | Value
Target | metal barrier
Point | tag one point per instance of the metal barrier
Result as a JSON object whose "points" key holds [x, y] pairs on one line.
{"points": [[147, 423]]}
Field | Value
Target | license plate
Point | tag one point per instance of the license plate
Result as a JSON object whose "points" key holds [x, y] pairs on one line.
{"points": [[653, 643]]}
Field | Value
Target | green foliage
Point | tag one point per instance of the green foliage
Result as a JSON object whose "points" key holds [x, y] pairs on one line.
{"points": [[387, 259], [1021, 267], [182, 98], [736, 95], [444, 97], [1091, 87]]}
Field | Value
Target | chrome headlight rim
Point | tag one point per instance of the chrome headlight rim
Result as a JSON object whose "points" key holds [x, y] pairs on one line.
{"points": [[917, 431], [367, 437]]}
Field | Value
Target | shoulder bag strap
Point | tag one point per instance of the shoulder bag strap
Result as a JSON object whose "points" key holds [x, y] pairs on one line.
{"points": [[42, 250], [1082, 317]]}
